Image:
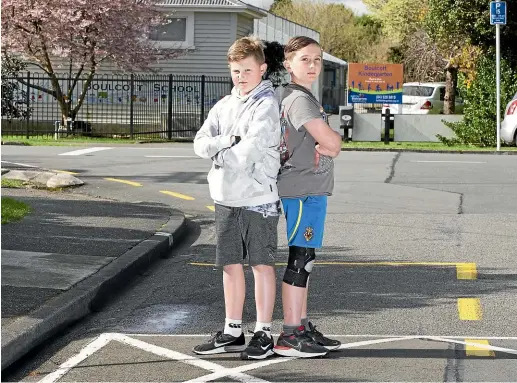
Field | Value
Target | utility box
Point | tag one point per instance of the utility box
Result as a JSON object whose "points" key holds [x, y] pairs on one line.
{"points": [[346, 121]]}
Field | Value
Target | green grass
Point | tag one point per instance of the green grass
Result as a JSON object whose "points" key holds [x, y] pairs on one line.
{"points": [[16, 184], [420, 146], [49, 141], [13, 210]]}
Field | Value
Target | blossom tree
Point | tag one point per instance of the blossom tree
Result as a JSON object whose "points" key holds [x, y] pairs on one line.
{"points": [[83, 34]]}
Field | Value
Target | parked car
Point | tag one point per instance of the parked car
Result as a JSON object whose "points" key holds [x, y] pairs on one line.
{"points": [[423, 98], [509, 124]]}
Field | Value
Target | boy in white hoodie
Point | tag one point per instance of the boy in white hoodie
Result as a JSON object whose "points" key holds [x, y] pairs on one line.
{"points": [[241, 135]]}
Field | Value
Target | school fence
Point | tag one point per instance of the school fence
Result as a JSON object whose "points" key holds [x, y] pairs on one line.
{"points": [[120, 106]]}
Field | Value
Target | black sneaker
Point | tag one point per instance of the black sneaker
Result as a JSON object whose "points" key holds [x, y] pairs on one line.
{"points": [[259, 347], [220, 343], [318, 337], [299, 345]]}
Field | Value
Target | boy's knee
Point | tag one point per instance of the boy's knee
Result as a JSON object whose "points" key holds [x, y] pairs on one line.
{"points": [[299, 266], [263, 268]]}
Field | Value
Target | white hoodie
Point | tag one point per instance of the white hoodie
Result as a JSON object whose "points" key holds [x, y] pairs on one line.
{"points": [[243, 174]]}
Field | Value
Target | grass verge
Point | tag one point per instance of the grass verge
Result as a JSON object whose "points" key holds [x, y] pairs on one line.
{"points": [[436, 146], [13, 210], [14, 184]]}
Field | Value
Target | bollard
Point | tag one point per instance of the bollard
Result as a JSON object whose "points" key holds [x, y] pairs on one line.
{"points": [[388, 118]]}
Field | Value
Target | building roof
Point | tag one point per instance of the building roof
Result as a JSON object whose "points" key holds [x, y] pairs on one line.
{"points": [[329, 57], [230, 5]]}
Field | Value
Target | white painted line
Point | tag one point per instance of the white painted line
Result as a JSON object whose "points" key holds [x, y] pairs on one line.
{"points": [[19, 164], [187, 359], [101, 341], [173, 157], [375, 341], [453, 162], [347, 336], [83, 151], [479, 345], [240, 369]]}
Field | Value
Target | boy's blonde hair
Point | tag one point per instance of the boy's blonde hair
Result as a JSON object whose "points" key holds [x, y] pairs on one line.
{"points": [[296, 43], [245, 47]]}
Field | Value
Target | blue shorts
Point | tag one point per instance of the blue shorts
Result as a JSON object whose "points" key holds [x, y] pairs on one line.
{"points": [[305, 219]]}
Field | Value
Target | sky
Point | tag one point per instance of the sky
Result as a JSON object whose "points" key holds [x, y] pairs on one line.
{"points": [[355, 5]]}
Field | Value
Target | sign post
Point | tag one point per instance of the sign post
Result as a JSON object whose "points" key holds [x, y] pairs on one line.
{"points": [[498, 18]]}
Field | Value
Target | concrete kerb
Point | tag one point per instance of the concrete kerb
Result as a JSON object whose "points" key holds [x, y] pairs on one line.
{"points": [[26, 333]]}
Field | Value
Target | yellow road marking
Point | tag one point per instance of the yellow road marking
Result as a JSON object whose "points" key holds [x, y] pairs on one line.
{"points": [[469, 309], [124, 181], [178, 195], [64, 171], [466, 271], [478, 351], [211, 208]]}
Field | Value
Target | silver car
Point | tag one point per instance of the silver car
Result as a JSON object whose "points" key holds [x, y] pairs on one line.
{"points": [[509, 124]]}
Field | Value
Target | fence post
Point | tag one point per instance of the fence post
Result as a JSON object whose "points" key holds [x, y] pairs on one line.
{"points": [[131, 103], [169, 109], [27, 100], [202, 119]]}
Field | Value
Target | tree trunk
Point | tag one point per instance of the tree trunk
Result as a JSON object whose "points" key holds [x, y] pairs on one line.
{"points": [[451, 82]]}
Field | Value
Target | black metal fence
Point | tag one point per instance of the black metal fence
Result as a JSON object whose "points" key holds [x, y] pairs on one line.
{"points": [[120, 106]]}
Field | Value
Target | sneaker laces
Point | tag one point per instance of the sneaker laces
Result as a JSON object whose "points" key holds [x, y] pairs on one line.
{"points": [[319, 333], [312, 329], [213, 337], [256, 340]]}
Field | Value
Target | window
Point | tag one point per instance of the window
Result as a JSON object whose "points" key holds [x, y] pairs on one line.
{"points": [[177, 32], [174, 30], [424, 91]]}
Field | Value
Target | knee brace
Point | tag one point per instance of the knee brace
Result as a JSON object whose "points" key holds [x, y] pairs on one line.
{"points": [[299, 266]]}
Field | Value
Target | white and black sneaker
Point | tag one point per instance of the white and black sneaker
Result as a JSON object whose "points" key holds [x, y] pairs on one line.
{"points": [[220, 343], [259, 347]]}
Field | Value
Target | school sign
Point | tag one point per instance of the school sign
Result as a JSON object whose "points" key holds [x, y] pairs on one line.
{"points": [[375, 83]]}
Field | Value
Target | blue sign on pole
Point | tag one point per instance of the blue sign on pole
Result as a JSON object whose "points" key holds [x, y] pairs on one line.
{"points": [[498, 12]]}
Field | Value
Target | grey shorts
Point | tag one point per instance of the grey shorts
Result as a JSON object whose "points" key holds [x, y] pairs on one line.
{"points": [[244, 235]]}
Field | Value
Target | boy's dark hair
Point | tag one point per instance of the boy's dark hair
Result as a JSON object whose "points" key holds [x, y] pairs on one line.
{"points": [[296, 43]]}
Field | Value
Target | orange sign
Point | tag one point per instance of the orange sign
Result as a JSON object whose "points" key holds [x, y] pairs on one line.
{"points": [[375, 83]]}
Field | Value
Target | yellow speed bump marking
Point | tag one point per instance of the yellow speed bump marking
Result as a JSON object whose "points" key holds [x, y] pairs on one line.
{"points": [[466, 271], [472, 350], [469, 309], [124, 181], [64, 171], [178, 195], [212, 208]]}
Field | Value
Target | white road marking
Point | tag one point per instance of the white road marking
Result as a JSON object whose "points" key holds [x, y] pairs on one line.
{"points": [[453, 162], [479, 345], [84, 151], [375, 341], [101, 341], [188, 359], [173, 157], [344, 336], [237, 373], [19, 164]]}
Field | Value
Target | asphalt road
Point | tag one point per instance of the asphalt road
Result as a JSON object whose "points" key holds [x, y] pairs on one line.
{"points": [[420, 262]]}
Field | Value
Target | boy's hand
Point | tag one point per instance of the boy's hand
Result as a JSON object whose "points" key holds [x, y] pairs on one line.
{"points": [[326, 152]]}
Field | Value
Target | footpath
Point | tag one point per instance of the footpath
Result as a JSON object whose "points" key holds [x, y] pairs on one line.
{"points": [[71, 254]]}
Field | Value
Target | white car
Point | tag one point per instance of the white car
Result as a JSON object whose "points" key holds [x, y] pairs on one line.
{"points": [[509, 124], [423, 98]]}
